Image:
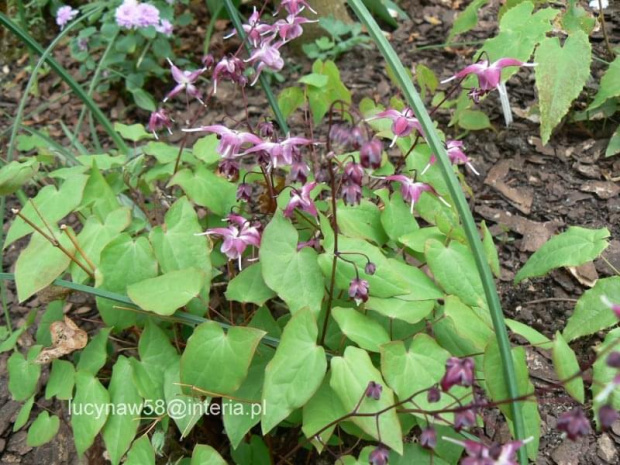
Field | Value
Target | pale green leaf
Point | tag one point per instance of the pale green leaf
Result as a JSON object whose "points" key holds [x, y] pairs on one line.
{"points": [[364, 331], [610, 85], [210, 350], [189, 408], [23, 375], [207, 189], [249, 286], [351, 375], [15, 174], [206, 455], [89, 412], [322, 409], [141, 452], [566, 367], [406, 310], [561, 73], [295, 372], [43, 429], [574, 247], [94, 355], [361, 221], [294, 275], [123, 422], [591, 313], [61, 381], [134, 132], [529, 334], [467, 19]]}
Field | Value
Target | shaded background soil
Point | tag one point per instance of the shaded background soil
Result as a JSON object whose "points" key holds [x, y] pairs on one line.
{"points": [[525, 192]]}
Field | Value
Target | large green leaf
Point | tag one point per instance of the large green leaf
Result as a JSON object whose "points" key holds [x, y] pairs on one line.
{"points": [[604, 390], [294, 275], [206, 455], [98, 195], [386, 282], [351, 375], [566, 367], [561, 73], [156, 354], [95, 235], [211, 351], [61, 381], [41, 263], [141, 452], [189, 408], [123, 262], [240, 416], [205, 149], [322, 409], [54, 204], [591, 313], [396, 218], [175, 243], [411, 369], [94, 355], [123, 422], [249, 286], [23, 375], [89, 410], [520, 31], [295, 372], [496, 388], [290, 99], [43, 429], [167, 293], [206, 189], [421, 287], [455, 270], [609, 87], [410, 311], [362, 221], [364, 331], [467, 19], [574, 247], [15, 174]]}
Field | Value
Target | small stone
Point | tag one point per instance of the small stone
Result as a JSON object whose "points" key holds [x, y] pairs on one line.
{"points": [[606, 449], [17, 443], [568, 453]]}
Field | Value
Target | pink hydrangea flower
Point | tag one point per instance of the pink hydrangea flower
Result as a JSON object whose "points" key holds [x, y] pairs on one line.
{"points": [[64, 15]]}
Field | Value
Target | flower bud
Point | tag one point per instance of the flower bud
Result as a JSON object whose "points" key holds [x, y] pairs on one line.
{"points": [[370, 154], [370, 268], [229, 168], [464, 419], [356, 138], [208, 61], [354, 172], [613, 360], [266, 129], [379, 456], [574, 423], [428, 438], [433, 395], [352, 194], [358, 290], [244, 192], [374, 390], [607, 416], [459, 372]]}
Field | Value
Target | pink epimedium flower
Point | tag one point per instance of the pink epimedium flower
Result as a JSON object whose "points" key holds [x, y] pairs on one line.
{"points": [[358, 290], [254, 29], [489, 78], [64, 15], [373, 390], [459, 372], [237, 236], [496, 454], [231, 141], [455, 154], [411, 190], [185, 82], [574, 423], [231, 68], [282, 152], [290, 28], [294, 7], [159, 119], [267, 56], [302, 201], [165, 27], [403, 122]]}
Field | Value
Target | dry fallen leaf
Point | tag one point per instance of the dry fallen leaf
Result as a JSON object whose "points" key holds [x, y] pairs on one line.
{"points": [[66, 338]]}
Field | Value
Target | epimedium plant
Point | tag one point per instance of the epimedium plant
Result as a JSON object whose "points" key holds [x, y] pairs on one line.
{"points": [[354, 307]]}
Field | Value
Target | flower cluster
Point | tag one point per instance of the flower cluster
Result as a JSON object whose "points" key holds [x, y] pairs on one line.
{"points": [[132, 14], [64, 15]]}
